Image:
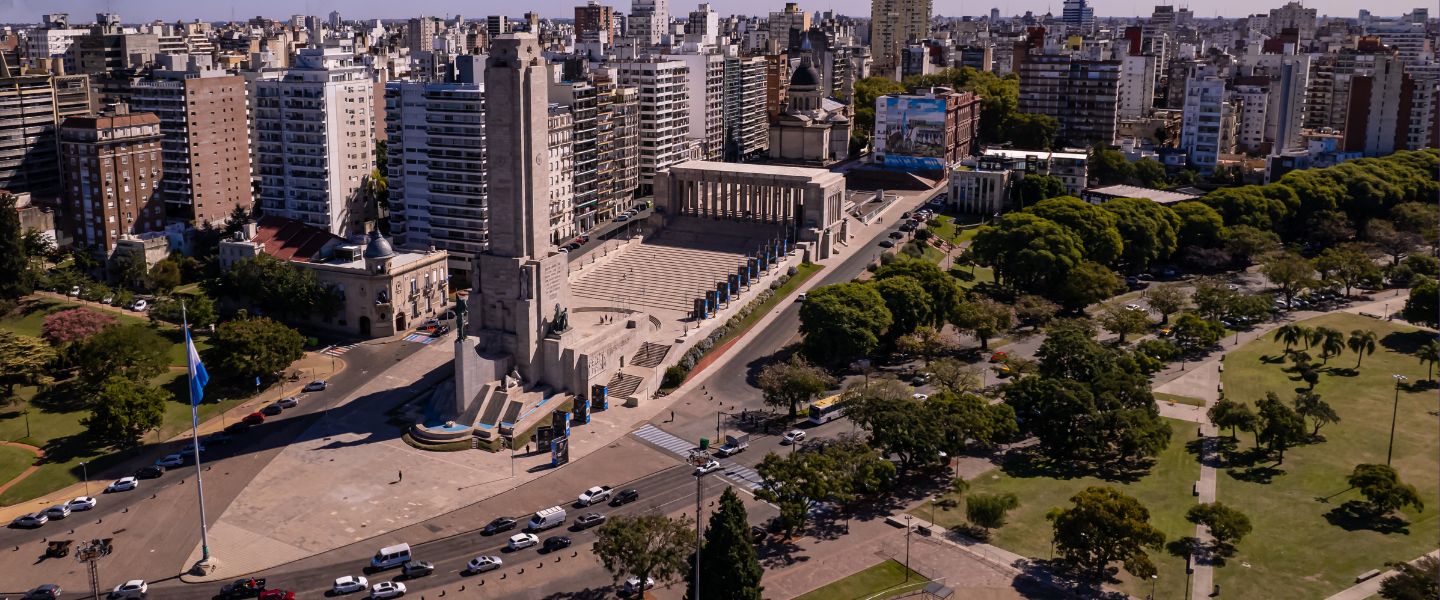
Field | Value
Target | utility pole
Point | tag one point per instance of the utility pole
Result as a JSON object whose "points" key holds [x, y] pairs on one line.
{"points": [[1394, 412], [698, 459], [908, 529]]}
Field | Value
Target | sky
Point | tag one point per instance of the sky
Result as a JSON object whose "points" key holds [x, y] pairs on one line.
{"points": [[29, 11]]}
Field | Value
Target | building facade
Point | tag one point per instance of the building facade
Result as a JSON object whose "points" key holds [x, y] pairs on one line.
{"points": [[112, 169], [31, 110], [664, 113], [1082, 95], [893, 24], [747, 127]]}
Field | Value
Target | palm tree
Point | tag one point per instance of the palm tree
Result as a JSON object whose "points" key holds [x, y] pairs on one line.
{"points": [[1430, 353], [1314, 336], [1361, 342], [1291, 334], [1332, 343]]}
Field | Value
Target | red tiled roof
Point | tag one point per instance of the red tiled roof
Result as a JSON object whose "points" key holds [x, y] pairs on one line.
{"points": [[286, 239]]}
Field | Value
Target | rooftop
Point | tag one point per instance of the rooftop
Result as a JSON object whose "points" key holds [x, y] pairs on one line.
{"points": [[1133, 191], [1020, 154], [754, 169]]}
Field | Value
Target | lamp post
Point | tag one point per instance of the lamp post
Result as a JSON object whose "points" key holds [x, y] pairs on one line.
{"points": [[907, 547], [85, 473], [1394, 412], [1155, 578], [27, 422]]}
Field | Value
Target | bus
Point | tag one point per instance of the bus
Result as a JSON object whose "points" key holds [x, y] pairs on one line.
{"points": [[826, 410]]}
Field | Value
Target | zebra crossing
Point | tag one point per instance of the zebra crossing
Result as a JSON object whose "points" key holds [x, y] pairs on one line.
{"points": [[338, 351], [741, 475]]}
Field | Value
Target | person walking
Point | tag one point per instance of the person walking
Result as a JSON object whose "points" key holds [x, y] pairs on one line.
{"points": [[400, 476]]}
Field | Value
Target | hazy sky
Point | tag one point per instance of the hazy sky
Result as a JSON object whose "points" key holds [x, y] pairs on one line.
{"points": [[23, 11]]}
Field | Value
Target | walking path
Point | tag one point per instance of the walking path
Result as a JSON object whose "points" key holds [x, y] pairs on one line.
{"points": [[1371, 586], [39, 454]]}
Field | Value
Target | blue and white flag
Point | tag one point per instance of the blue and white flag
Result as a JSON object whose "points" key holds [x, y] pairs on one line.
{"points": [[198, 376]]}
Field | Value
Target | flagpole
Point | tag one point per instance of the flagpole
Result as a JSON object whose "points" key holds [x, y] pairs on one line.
{"points": [[195, 439]]}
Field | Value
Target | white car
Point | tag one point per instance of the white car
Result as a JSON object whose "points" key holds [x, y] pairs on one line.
{"points": [[171, 461], [81, 503], [1133, 307], [135, 588], [708, 467], [140, 306], [481, 564], [75, 291], [794, 436], [920, 397], [124, 484], [632, 585], [521, 541], [289, 402], [59, 511], [387, 589], [350, 584]]}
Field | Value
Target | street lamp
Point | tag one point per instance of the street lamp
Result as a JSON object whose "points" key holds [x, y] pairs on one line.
{"points": [[1154, 578], [1394, 412], [85, 473], [908, 529]]}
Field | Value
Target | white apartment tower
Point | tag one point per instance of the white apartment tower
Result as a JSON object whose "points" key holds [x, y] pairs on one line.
{"points": [[747, 126], [1208, 126], [561, 154], [1137, 86], [649, 21], [664, 112], [315, 141], [705, 87]]}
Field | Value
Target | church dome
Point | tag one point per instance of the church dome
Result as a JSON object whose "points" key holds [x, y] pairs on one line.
{"points": [[378, 246], [805, 74]]}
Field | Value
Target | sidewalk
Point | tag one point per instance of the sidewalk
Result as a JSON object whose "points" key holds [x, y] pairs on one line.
{"points": [[1370, 587]]}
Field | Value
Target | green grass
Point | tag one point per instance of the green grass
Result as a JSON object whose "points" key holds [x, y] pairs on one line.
{"points": [[955, 233], [803, 273], [13, 461], [29, 317], [1295, 551], [884, 580], [1166, 491], [1178, 399]]}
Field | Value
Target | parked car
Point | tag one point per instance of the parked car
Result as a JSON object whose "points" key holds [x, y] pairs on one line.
{"points": [[794, 436], [135, 588], [633, 587], [81, 503], [521, 541], [625, 497], [417, 568], [30, 521], [272, 409], [887, 244], [75, 291], [237, 428], [350, 584], [140, 306], [318, 385], [59, 511], [150, 472], [481, 564], [920, 397], [387, 589], [589, 520], [555, 542], [277, 594], [170, 461], [249, 587], [288, 402], [123, 484], [622, 218], [219, 438], [254, 418], [895, 235], [48, 591], [498, 525], [1133, 307], [189, 449], [709, 467]]}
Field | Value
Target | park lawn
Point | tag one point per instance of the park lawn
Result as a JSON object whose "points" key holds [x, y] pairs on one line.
{"points": [[1166, 491], [1178, 399], [30, 316], [13, 461], [1295, 551], [884, 580]]}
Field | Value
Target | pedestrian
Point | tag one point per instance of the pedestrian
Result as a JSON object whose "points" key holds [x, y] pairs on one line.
{"points": [[672, 416], [400, 477]]}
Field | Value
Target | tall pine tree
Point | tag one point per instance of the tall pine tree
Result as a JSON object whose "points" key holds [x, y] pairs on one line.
{"points": [[729, 568], [15, 278]]}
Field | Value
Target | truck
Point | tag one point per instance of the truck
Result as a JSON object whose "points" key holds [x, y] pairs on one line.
{"points": [[734, 445], [594, 495], [546, 519]]}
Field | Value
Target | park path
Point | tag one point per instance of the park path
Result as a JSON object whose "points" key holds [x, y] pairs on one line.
{"points": [[28, 470], [1371, 586]]}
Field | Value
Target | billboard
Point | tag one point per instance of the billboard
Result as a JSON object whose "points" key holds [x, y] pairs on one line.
{"points": [[910, 132]]}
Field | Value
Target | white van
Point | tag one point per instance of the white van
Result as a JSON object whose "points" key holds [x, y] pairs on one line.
{"points": [[545, 519], [391, 557]]}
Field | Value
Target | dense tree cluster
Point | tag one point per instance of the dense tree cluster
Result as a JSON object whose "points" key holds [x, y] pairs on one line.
{"points": [[917, 432], [276, 288], [836, 471]]}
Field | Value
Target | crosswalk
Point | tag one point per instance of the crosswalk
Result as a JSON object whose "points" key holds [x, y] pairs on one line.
{"points": [[420, 338], [338, 351], [743, 476]]}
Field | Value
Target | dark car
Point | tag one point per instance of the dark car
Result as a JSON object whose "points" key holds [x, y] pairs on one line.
{"points": [[271, 410], [887, 244], [150, 472], [625, 497], [48, 591], [219, 438], [417, 568], [498, 525], [556, 542], [589, 520], [254, 418], [249, 587], [237, 428], [895, 235]]}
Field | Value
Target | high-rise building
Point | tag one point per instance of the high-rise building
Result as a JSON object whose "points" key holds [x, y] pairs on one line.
{"points": [[788, 22], [560, 152], [704, 88], [496, 25], [420, 33], [112, 168], [649, 21], [1137, 86], [1208, 126], [1294, 16], [107, 49], [703, 25], [206, 149], [747, 127], [617, 139], [1380, 109], [435, 140], [31, 110], [51, 43], [664, 112], [580, 97], [1078, 16], [1082, 95], [315, 141], [595, 22], [893, 24]]}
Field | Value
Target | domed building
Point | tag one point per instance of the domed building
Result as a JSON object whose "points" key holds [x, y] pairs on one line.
{"points": [[812, 129]]}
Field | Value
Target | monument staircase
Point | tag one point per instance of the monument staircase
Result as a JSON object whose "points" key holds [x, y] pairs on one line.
{"points": [[650, 355], [623, 385]]}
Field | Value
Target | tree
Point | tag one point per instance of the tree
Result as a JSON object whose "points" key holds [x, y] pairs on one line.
{"points": [[729, 567], [1035, 187], [1278, 427], [1121, 321], [910, 305], [835, 472], [199, 311], [1417, 217], [955, 376], [962, 418], [1289, 272], [1291, 334], [1226, 413], [1089, 282], [123, 410], [1332, 343], [1383, 490], [164, 276], [945, 293], [843, 322], [1347, 265], [1032, 131], [1104, 526], [1109, 166], [1029, 253], [1328, 227], [1096, 227], [130, 271], [647, 545], [1213, 301], [1361, 342], [132, 351], [15, 279], [988, 510], [1227, 525], [1423, 305], [1150, 231], [1429, 352], [1419, 581], [74, 325], [983, 318], [278, 288], [1244, 243], [1200, 226], [1262, 208], [23, 361], [1309, 405], [925, 341], [1391, 241], [790, 384], [1194, 334], [256, 346], [1034, 311], [1167, 300], [1414, 268], [897, 424], [1149, 172]]}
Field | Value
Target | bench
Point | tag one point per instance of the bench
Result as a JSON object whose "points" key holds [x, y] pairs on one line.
{"points": [[1371, 574]]}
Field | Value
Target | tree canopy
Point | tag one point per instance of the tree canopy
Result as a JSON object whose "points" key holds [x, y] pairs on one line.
{"points": [[1149, 230], [256, 346], [843, 322], [789, 384], [729, 566], [1096, 227], [1104, 526], [647, 545]]}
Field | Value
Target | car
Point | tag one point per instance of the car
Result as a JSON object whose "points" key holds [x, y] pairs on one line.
{"points": [[30, 521], [288, 402], [554, 543], [622, 218], [349, 584], [75, 291], [632, 585], [802, 297], [895, 235], [905, 215], [277, 594], [108, 300], [48, 591], [239, 427], [572, 246], [481, 564], [189, 449], [907, 227], [416, 568], [123, 484], [998, 356], [708, 467], [59, 511], [254, 418], [562, 250], [498, 525], [272, 409], [140, 306], [625, 497], [589, 520], [248, 587], [170, 461], [135, 588], [219, 438], [150, 472], [794, 436], [920, 379], [521, 541], [594, 495], [887, 244], [81, 503], [920, 397], [1134, 307], [387, 589], [318, 385]]}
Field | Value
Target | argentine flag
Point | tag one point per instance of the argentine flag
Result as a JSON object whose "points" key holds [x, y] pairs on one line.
{"points": [[198, 376]]}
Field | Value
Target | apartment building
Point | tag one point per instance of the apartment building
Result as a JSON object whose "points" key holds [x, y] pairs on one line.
{"points": [[747, 127], [705, 88], [315, 141], [648, 21], [595, 22], [111, 166], [1137, 86], [1208, 126], [1380, 109], [617, 138], [1082, 95], [581, 98], [51, 42], [664, 112], [893, 24], [786, 22], [560, 151], [31, 110]]}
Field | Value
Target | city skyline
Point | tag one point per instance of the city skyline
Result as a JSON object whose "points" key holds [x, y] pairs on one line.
{"points": [[29, 11]]}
